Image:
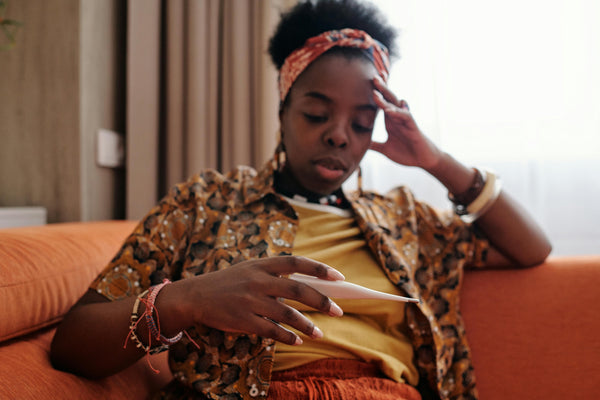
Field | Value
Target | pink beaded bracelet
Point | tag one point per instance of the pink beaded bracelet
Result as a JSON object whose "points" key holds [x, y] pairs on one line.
{"points": [[152, 326]]}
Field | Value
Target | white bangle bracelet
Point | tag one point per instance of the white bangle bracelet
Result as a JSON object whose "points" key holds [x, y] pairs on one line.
{"points": [[487, 197]]}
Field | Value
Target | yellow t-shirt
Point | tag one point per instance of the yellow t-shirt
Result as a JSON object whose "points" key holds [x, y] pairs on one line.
{"points": [[370, 330]]}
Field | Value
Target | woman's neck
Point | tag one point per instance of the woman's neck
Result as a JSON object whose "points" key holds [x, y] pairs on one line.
{"points": [[287, 185]]}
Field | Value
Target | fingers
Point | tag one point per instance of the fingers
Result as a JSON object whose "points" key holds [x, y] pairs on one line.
{"points": [[282, 313], [274, 287], [383, 103], [267, 328], [266, 318], [293, 290], [305, 294], [386, 99], [385, 92], [290, 264], [264, 315], [404, 105], [248, 296], [261, 315]]}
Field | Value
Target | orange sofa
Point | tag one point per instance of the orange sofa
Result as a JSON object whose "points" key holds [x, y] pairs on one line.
{"points": [[535, 333]]}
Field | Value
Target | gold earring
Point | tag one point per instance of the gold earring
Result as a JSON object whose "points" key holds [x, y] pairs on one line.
{"points": [[359, 180], [280, 155]]}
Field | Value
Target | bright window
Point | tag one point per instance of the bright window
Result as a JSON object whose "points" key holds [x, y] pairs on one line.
{"points": [[513, 85]]}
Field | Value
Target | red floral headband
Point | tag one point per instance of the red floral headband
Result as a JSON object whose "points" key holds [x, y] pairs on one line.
{"points": [[301, 58]]}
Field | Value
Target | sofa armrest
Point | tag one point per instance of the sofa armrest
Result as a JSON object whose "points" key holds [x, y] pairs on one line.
{"points": [[534, 333], [45, 269]]}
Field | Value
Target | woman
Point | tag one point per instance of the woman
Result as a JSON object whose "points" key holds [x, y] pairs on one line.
{"points": [[235, 325]]}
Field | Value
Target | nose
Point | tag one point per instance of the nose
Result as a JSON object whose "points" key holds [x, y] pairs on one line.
{"points": [[336, 136]]}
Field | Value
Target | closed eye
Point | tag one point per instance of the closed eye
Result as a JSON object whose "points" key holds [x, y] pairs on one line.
{"points": [[362, 129], [317, 119]]}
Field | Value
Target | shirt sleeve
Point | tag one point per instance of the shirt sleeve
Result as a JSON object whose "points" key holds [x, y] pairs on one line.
{"points": [[446, 238], [153, 251]]}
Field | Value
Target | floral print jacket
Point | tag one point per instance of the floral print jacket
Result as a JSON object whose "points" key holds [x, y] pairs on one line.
{"points": [[214, 221]]}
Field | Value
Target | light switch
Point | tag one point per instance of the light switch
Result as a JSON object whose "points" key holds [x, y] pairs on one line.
{"points": [[110, 149]]}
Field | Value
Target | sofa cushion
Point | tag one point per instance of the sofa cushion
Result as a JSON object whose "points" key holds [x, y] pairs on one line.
{"points": [[534, 331], [26, 373], [44, 270]]}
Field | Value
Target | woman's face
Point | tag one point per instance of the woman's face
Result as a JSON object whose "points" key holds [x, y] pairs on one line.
{"points": [[327, 122]]}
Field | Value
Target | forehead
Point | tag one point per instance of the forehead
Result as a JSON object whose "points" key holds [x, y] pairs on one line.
{"points": [[338, 77]]}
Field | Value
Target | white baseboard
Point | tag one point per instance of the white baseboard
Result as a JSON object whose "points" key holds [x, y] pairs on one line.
{"points": [[11, 217]]}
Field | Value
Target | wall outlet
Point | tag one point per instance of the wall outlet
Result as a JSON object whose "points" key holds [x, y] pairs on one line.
{"points": [[110, 149]]}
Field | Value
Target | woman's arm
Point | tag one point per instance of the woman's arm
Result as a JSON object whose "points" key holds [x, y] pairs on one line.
{"points": [[242, 298], [514, 235], [90, 339]]}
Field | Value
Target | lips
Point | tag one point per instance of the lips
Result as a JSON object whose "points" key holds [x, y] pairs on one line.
{"points": [[330, 168], [331, 163]]}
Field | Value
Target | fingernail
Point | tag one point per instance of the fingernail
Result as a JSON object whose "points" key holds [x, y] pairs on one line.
{"points": [[317, 333], [298, 341], [336, 275], [335, 310]]}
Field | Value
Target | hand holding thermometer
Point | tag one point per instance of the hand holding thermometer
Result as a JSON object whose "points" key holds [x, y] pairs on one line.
{"points": [[347, 290]]}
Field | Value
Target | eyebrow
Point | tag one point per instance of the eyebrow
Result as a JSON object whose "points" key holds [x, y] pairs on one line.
{"points": [[321, 96]]}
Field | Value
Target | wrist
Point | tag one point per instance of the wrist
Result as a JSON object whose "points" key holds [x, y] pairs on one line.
{"points": [[173, 317], [436, 162], [486, 192], [438, 165], [455, 176], [463, 198]]}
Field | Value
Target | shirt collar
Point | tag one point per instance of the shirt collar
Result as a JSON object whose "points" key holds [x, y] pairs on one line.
{"points": [[261, 184]]}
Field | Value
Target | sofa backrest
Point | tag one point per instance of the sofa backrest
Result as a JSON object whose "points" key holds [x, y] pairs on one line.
{"points": [[45, 269]]}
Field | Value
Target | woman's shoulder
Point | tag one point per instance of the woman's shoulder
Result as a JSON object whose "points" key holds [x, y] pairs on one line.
{"points": [[402, 201], [400, 195], [210, 181], [210, 177]]}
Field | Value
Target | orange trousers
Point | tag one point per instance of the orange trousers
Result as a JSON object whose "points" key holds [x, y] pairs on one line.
{"points": [[333, 379]]}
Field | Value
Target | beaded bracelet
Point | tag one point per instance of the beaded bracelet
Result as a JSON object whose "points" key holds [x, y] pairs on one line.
{"points": [[462, 200], [154, 330], [133, 321], [152, 327], [484, 201]]}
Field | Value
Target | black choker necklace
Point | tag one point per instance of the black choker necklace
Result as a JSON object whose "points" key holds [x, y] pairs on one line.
{"points": [[336, 199]]}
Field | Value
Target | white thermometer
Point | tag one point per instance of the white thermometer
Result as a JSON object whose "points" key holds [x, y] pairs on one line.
{"points": [[347, 290]]}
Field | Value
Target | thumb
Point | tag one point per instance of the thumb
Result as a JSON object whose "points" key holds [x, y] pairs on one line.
{"points": [[377, 146]]}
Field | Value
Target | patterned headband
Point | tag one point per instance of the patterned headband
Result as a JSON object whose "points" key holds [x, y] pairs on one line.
{"points": [[301, 58]]}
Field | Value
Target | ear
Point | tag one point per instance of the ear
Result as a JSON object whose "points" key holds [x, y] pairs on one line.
{"points": [[281, 111]]}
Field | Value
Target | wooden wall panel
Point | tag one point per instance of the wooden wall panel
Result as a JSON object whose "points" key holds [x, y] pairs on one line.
{"points": [[39, 109], [62, 81]]}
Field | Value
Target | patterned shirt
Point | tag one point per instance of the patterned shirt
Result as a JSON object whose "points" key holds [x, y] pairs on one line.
{"points": [[214, 221]]}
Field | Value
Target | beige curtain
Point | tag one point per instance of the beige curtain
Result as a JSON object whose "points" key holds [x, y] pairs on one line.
{"points": [[201, 91]]}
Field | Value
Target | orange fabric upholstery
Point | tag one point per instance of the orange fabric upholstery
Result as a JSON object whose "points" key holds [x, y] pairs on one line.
{"points": [[533, 332], [26, 373], [46, 269]]}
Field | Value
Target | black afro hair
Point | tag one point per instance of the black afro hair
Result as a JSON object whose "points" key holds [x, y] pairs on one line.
{"points": [[311, 18]]}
